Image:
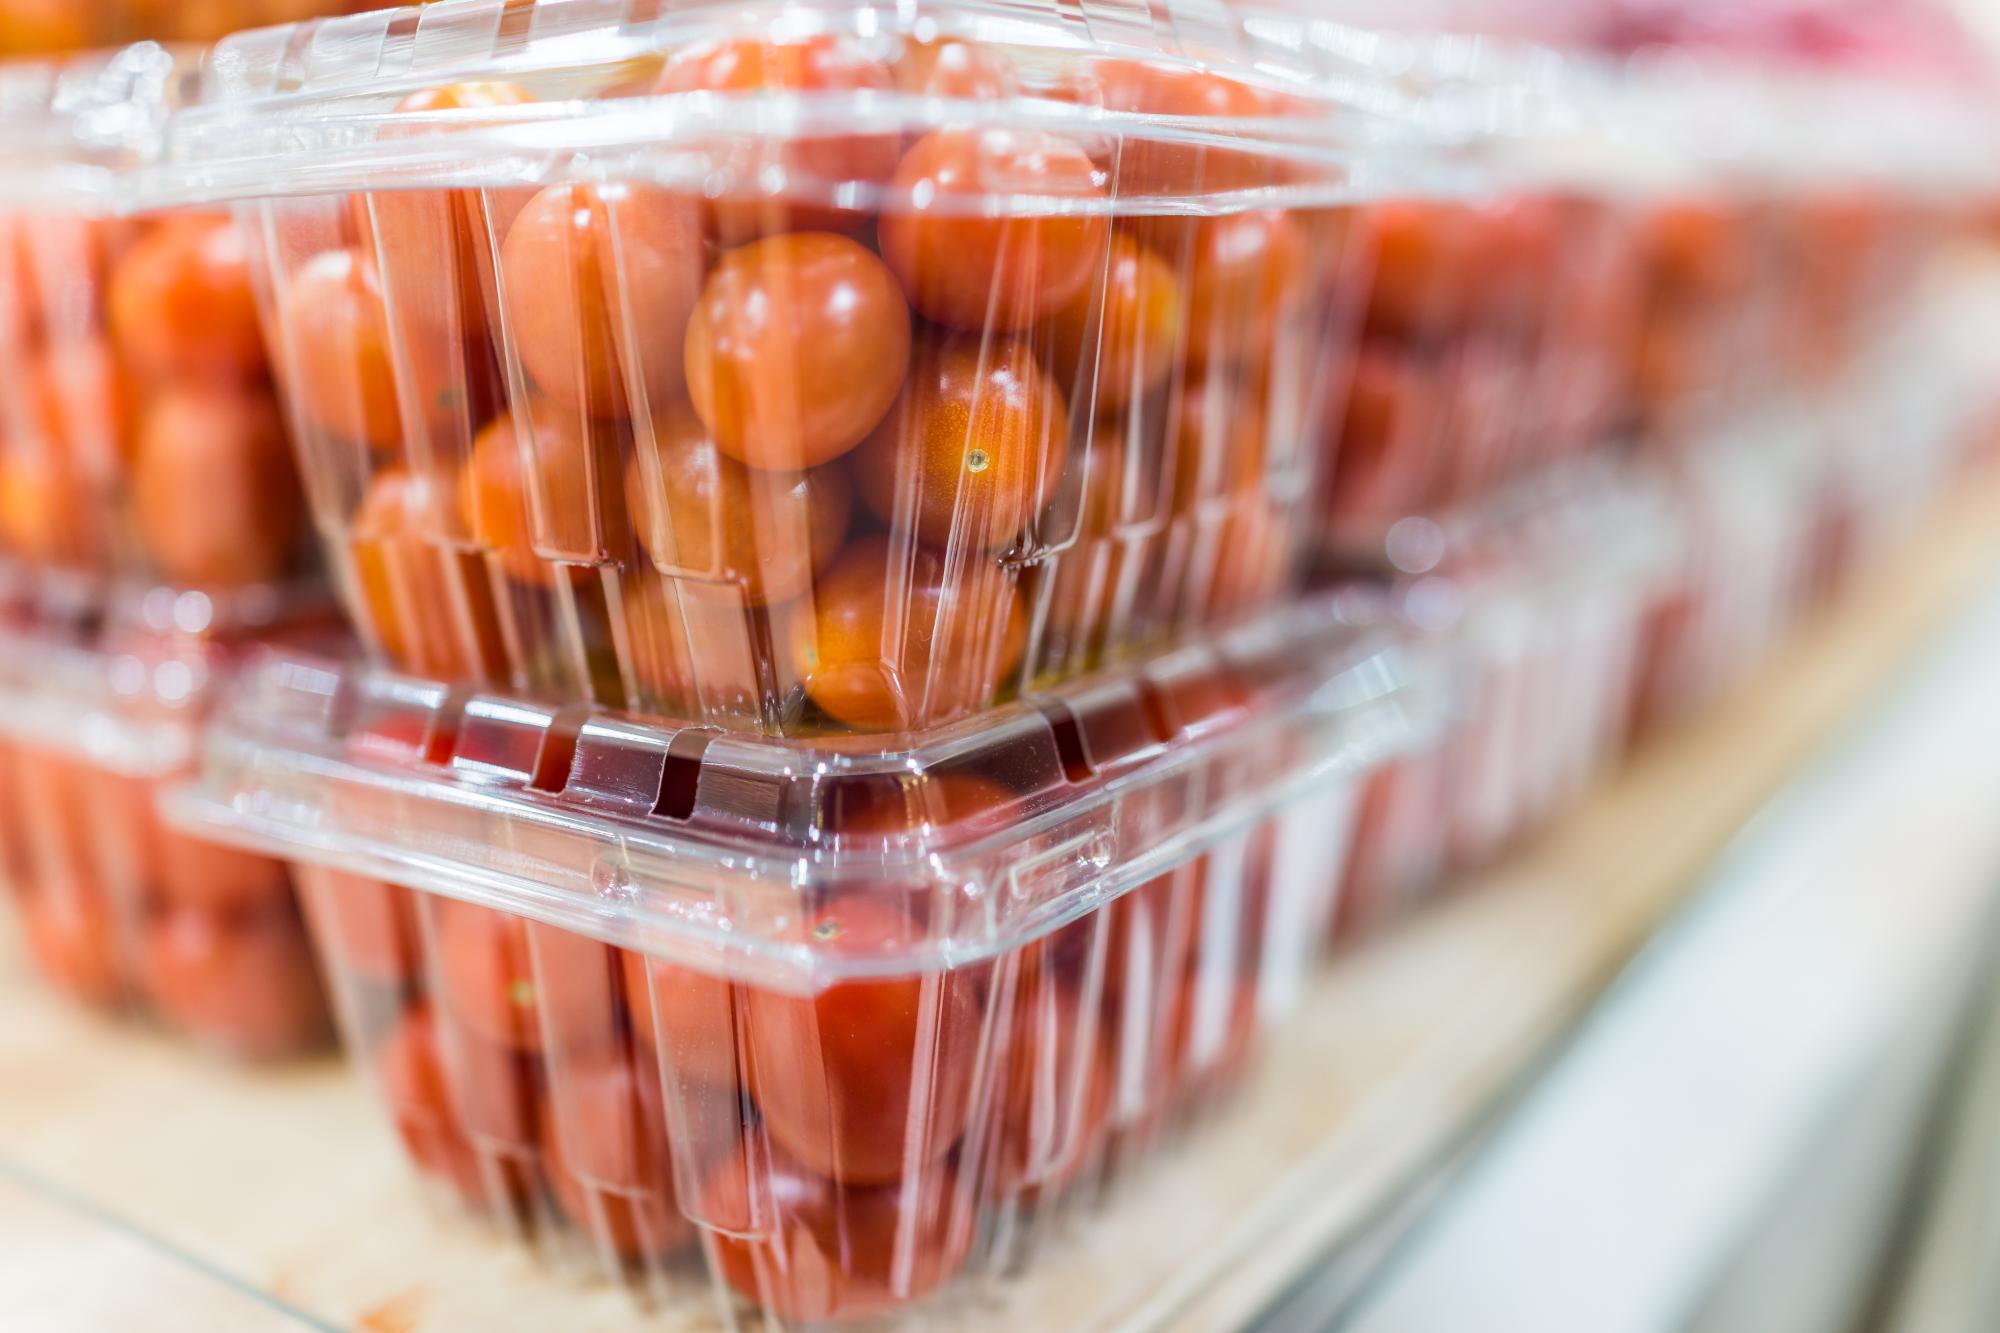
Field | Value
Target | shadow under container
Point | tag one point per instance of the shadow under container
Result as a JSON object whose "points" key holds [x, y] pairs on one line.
{"points": [[141, 443], [115, 908], [843, 373], [845, 1020]]}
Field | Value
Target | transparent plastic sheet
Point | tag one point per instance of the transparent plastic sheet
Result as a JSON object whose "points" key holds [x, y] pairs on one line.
{"points": [[117, 909], [799, 369], [845, 1020], [141, 445]]}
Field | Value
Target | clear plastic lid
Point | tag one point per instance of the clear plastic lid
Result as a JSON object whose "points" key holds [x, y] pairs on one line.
{"points": [[79, 126], [712, 848]]}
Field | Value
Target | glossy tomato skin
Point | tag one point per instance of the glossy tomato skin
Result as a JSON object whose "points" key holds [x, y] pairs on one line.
{"points": [[1125, 338], [553, 497], [245, 984], [812, 1250], [973, 447], [337, 362], [692, 1015], [971, 271], [867, 1080], [556, 991], [1158, 88], [404, 573], [214, 498], [580, 264], [181, 306], [897, 641], [796, 349], [809, 165], [705, 517], [604, 1146]]}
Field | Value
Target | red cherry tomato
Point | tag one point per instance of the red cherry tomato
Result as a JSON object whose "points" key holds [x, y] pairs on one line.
{"points": [[956, 69], [580, 264], [365, 928], [605, 1118], [1056, 1100], [964, 267], [181, 305], [1151, 166], [411, 1069], [636, 1227], [869, 1079], [558, 993], [797, 348], [1124, 338], [491, 1087], [337, 360], [74, 941], [194, 873], [972, 448], [245, 984], [706, 518], [561, 503], [1246, 273], [1387, 456], [691, 1013], [808, 165], [1420, 252], [894, 645], [213, 493], [832, 1252]]}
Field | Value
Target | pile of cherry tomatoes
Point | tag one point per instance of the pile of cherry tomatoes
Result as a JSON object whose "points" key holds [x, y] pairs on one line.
{"points": [[865, 449]]}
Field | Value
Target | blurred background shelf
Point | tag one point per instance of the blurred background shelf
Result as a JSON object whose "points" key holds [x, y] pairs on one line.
{"points": [[224, 1201]]}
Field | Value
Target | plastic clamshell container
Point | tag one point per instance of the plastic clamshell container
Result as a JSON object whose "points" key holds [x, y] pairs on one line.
{"points": [[1538, 601], [116, 908], [845, 1020], [796, 368], [141, 443]]}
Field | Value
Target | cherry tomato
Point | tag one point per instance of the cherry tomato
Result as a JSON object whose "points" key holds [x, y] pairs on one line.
{"points": [[972, 448], [692, 1013], [636, 1226], [1220, 435], [708, 518], [894, 645], [338, 362], [194, 873], [246, 984], [73, 939], [608, 1123], [695, 654], [85, 404], [1694, 250], [181, 305], [580, 264], [971, 270], [796, 349], [1246, 273], [411, 1069], [1056, 1099], [806, 164], [1420, 253], [830, 1251], [365, 928], [403, 571], [957, 69], [49, 514], [1124, 338], [565, 507], [559, 993], [213, 494], [1156, 88], [1387, 456], [866, 1080], [491, 1086]]}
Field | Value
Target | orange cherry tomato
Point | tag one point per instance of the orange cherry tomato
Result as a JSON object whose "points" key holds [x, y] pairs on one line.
{"points": [[403, 571], [953, 68], [559, 992], [85, 404], [47, 27], [693, 653], [796, 349], [338, 363], [1124, 338], [972, 448], [692, 1014], [365, 928], [1246, 273], [181, 305], [894, 645], [213, 494], [866, 1080], [49, 513], [1694, 250], [805, 165], [833, 1251], [245, 984], [74, 942], [580, 264], [966, 268], [704, 517], [559, 504], [1420, 251], [1156, 88], [1221, 445]]}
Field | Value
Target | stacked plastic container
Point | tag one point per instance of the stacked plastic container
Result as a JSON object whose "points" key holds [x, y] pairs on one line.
{"points": [[151, 527], [848, 761]]}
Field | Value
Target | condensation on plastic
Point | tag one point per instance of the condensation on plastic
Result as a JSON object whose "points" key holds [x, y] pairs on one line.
{"points": [[797, 369], [141, 445], [847, 1022], [116, 908]]}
